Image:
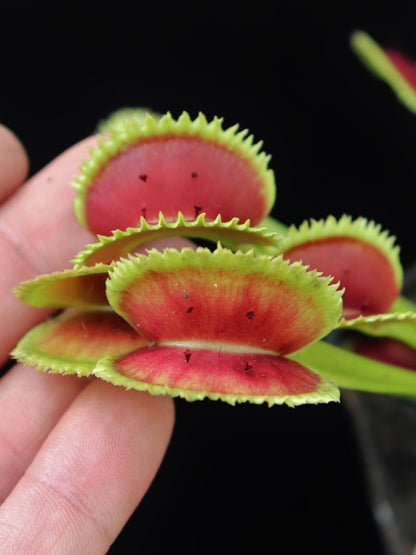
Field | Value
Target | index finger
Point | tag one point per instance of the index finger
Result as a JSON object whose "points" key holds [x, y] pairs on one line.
{"points": [[39, 233], [14, 162]]}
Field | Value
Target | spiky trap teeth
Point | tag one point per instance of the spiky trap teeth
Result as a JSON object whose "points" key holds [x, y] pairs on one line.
{"points": [[221, 324], [73, 342], [170, 166], [231, 234], [358, 253], [225, 298], [198, 324], [235, 326]]}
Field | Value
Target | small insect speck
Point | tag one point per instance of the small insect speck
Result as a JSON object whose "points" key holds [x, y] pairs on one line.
{"points": [[187, 355], [247, 367], [143, 177], [250, 314], [189, 310]]}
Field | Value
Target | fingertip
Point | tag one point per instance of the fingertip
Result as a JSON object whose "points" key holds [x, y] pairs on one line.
{"points": [[14, 162]]}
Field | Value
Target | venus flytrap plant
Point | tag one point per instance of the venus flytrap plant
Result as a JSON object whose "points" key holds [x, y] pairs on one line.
{"points": [[241, 323], [391, 470], [170, 166], [396, 330], [199, 324], [365, 260], [358, 253], [84, 284]]}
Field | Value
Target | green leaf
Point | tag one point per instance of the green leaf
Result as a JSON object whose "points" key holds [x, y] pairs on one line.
{"points": [[376, 60], [352, 371]]}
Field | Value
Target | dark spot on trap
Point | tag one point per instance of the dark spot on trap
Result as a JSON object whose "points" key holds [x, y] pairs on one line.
{"points": [[247, 367], [143, 177], [189, 310], [187, 355], [144, 210], [194, 174], [198, 210], [250, 314]]}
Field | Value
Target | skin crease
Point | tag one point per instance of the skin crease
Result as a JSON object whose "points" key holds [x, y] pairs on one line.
{"points": [[76, 455]]}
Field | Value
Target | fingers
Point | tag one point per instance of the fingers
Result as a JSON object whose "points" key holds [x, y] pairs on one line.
{"points": [[89, 475], [38, 233], [31, 403], [39, 220], [14, 162]]}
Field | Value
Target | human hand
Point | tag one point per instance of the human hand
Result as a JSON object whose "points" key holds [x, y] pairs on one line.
{"points": [[76, 455]]}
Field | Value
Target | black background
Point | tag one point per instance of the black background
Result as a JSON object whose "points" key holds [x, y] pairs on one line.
{"points": [[247, 479]]}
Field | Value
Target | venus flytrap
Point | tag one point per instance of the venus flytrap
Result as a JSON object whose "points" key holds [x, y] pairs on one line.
{"points": [[243, 322], [365, 260], [199, 324], [396, 329], [170, 166]]}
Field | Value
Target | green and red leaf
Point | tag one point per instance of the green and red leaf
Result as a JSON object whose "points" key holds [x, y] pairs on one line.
{"points": [[74, 341], [388, 64], [396, 325], [233, 377], [358, 254], [83, 287], [224, 298], [170, 166]]}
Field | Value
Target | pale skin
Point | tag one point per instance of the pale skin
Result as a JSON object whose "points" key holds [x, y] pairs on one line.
{"points": [[76, 455]]}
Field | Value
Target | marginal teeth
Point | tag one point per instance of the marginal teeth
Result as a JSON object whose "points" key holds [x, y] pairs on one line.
{"points": [[232, 233], [130, 132], [361, 229]]}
